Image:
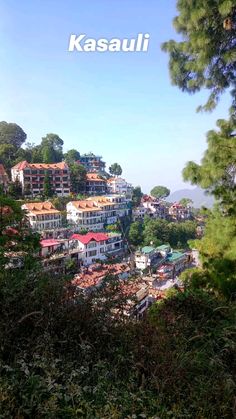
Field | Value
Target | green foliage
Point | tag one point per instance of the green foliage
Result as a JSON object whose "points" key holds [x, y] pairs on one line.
{"points": [[205, 58], [157, 231], [11, 134], [186, 201], [137, 196], [71, 156], [160, 192], [115, 169], [136, 233], [59, 359], [15, 189], [47, 188], [77, 177], [217, 171]]}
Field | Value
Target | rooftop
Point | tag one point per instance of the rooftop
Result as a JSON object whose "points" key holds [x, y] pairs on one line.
{"points": [[174, 256], [40, 208], [86, 238], [24, 164], [147, 249]]}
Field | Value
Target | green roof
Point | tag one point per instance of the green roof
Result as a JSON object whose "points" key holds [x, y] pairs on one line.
{"points": [[147, 249], [163, 247], [175, 256]]}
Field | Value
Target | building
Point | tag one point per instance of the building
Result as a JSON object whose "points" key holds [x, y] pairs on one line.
{"points": [[180, 212], [139, 213], [32, 176], [155, 207], [95, 184], [95, 213], [174, 264], [4, 180], [42, 216], [117, 185], [85, 215], [92, 163], [147, 257], [91, 278]]}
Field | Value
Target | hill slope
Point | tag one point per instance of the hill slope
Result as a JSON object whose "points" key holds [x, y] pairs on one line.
{"points": [[197, 195]]}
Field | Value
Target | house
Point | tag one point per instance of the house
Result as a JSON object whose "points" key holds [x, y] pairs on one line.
{"points": [[117, 185], [147, 257], [174, 264], [164, 250], [91, 278], [155, 207], [4, 180], [139, 213], [42, 216], [92, 163], [179, 212], [97, 246], [95, 213], [32, 176], [86, 215], [95, 184]]}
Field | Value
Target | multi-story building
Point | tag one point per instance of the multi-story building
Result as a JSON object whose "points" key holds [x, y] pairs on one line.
{"points": [[42, 216], [84, 249], [156, 208], [95, 184], [85, 215], [92, 163], [138, 213], [32, 176], [96, 212], [4, 180], [117, 185], [180, 212], [147, 257]]}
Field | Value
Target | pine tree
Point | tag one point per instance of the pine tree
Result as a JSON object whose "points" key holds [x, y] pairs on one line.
{"points": [[47, 188], [206, 57]]}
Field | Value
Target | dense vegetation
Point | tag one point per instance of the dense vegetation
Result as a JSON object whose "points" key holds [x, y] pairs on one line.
{"points": [[59, 359], [157, 231]]}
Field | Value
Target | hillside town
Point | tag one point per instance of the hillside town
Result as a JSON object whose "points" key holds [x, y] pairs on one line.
{"points": [[87, 235]]}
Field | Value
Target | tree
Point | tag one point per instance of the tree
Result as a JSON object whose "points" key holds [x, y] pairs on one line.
{"points": [[186, 201], [47, 188], [217, 171], [15, 189], [136, 233], [12, 134], [205, 58], [137, 196], [77, 177], [71, 156], [160, 192], [51, 148], [115, 169]]}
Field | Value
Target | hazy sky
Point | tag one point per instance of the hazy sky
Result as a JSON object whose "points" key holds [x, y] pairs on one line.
{"points": [[119, 105]]}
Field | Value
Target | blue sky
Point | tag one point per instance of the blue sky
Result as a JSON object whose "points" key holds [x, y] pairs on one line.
{"points": [[119, 105]]}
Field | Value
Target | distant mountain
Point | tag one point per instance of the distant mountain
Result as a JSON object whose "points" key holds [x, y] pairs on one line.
{"points": [[197, 195]]}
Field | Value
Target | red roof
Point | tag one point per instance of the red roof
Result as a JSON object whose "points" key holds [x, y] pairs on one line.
{"points": [[23, 164], [49, 242], [86, 238]]}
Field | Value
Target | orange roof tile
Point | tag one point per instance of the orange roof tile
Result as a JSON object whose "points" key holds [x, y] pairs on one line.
{"points": [[41, 208], [22, 165]]}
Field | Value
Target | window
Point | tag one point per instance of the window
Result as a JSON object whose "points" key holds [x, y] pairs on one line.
{"points": [[92, 253]]}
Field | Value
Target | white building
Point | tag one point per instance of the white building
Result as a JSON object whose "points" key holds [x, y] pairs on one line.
{"points": [[139, 213], [147, 257], [117, 185], [95, 213], [97, 246], [42, 216]]}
